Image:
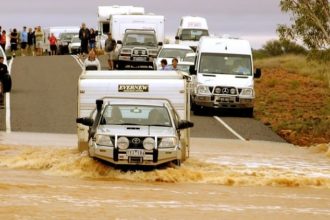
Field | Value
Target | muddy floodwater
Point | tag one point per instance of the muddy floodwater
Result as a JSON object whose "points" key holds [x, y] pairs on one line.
{"points": [[222, 179]]}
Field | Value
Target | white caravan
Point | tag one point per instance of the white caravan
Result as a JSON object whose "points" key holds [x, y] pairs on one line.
{"points": [[134, 117], [223, 75], [120, 23], [191, 29], [103, 19]]}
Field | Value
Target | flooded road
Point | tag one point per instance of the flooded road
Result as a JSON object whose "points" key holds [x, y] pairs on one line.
{"points": [[223, 179]]}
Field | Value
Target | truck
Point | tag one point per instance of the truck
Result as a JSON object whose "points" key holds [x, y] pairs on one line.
{"points": [[104, 14], [223, 75], [191, 29], [134, 117]]}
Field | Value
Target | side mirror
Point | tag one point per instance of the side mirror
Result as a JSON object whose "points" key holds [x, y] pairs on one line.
{"points": [[257, 74], [119, 42], [192, 70], [183, 124], [160, 43], [8, 57], [99, 105], [177, 38], [85, 121]]}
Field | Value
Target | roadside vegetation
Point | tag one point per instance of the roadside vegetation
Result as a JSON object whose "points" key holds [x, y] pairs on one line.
{"points": [[293, 98]]}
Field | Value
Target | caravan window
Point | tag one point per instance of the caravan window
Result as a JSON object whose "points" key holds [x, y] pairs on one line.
{"points": [[140, 39]]}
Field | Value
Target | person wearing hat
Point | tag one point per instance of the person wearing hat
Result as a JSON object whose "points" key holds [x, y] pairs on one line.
{"points": [[3, 73]]}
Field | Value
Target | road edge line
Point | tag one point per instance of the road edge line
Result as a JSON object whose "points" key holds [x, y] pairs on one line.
{"points": [[229, 128], [8, 112], [80, 63]]}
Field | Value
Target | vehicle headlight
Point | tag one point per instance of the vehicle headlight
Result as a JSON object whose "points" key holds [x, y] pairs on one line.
{"points": [[247, 92], [104, 140], [153, 53], [144, 52], [168, 142], [136, 52], [126, 51], [123, 143], [149, 143], [232, 91], [217, 90], [203, 90]]}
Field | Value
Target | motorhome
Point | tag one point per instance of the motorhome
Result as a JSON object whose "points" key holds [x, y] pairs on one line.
{"points": [[223, 75], [134, 117], [191, 29]]}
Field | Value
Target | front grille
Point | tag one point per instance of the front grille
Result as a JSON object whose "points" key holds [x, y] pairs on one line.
{"points": [[222, 90], [140, 52]]}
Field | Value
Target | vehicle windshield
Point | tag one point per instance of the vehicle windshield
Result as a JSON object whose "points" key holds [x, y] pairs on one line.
{"points": [[193, 34], [189, 59], [170, 52], [67, 36], [136, 115], [225, 64], [75, 39], [140, 39]]}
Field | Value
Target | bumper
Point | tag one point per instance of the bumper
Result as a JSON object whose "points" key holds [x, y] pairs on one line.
{"points": [[223, 101], [120, 157]]}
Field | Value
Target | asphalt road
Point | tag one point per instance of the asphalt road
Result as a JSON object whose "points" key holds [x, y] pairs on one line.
{"points": [[44, 99]]}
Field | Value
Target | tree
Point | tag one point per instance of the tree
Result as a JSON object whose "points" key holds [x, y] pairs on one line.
{"points": [[311, 22], [280, 47]]}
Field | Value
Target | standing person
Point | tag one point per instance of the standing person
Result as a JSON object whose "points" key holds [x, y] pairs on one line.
{"points": [[52, 42], [31, 41], [91, 62], [13, 42], [39, 35], [110, 45], [3, 72], [92, 39], [84, 36], [3, 40], [24, 40]]}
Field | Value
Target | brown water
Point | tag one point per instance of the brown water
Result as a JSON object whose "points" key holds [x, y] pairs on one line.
{"points": [[222, 180]]}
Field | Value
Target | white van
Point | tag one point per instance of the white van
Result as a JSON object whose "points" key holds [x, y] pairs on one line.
{"points": [[223, 75], [191, 29], [134, 117]]}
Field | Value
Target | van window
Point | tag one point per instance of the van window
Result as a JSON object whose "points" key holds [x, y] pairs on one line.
{"points": [[225, 64], [193, 34]]}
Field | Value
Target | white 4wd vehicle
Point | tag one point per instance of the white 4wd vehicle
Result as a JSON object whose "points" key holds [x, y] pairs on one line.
{"points": [[139, 48], [136, 131]]}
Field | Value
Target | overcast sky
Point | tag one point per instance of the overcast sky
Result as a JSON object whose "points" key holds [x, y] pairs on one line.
{"points": [[255, 20]]}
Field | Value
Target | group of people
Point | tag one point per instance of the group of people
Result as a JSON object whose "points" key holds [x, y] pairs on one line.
{"points": [[29, 41]]}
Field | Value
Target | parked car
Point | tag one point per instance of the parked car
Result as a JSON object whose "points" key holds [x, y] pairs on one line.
{"points": [[64, 41], [74, 46], [169, 51]]}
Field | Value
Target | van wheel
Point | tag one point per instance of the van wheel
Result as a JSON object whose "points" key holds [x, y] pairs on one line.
{"points": [[248, 112], [177, 163], [121, 66], [198, 110]]}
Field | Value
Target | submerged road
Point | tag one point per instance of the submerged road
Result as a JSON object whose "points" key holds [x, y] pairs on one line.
{"points": [[44, 99]]}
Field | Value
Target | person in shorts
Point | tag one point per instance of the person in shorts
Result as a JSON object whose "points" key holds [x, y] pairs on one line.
{"points": [[110, 46], [24, 40], [31, 41], [13, 42], [39, 35]]}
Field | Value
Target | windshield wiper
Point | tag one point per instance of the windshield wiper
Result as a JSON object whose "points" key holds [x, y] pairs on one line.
{"points": [[159, 125], [126, 124]]}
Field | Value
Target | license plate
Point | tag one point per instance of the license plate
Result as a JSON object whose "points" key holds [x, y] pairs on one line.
{"points": [[135, 153], [226, 99], [139, 58]]}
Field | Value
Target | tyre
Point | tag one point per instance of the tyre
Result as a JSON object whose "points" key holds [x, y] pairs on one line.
{"points": [[121, 66], [248, 112]]}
